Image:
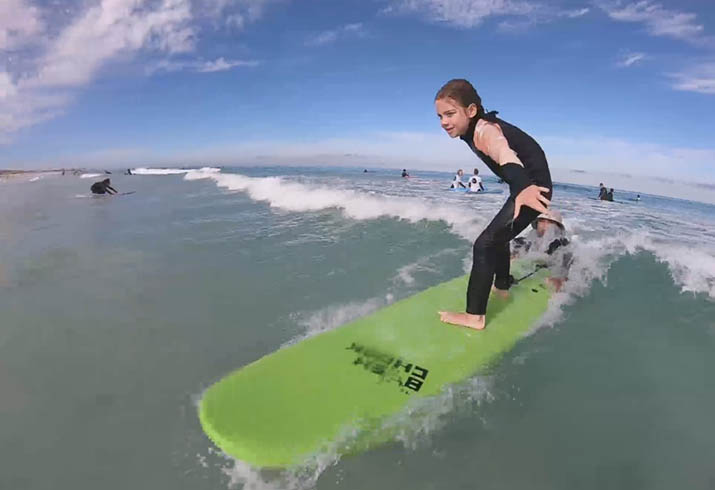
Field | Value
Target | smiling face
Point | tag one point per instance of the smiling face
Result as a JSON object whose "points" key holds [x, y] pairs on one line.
{"points": [[454, 118]]}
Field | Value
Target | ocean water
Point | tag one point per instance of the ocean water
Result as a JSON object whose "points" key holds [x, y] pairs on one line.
{"points": [[116, 313]]}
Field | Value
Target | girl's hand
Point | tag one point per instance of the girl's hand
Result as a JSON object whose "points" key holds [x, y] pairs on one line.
{"points": [[532, 197]]}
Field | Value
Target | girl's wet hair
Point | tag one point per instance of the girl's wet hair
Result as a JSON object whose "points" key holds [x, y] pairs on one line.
{"points": [[462, 92]]}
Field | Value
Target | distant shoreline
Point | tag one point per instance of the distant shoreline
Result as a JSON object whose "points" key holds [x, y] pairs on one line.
{"points": [[20, 172]]}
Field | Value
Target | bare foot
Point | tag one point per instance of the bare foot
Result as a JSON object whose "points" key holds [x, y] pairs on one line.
{"points": [[502, 293], [476, 322]]}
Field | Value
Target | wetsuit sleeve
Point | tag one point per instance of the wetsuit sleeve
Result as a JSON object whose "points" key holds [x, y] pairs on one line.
{"points": [[491, 141]]}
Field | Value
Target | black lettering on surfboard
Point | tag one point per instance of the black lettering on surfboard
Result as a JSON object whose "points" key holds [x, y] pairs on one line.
{"points": [[407, 375]]}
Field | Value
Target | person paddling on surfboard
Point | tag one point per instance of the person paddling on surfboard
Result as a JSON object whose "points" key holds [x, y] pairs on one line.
{"points": [[515, 157], [102, 187]]}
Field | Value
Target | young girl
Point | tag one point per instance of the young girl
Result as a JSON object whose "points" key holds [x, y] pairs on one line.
{"points": [[516, 158]]}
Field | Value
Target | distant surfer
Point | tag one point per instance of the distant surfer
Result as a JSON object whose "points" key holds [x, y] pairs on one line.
{"points": [[548, 245], [609, 195], [513, 156], [128, 172], [638, 197], [103, 187], [405, 175], [475, 182], [457, 181]]}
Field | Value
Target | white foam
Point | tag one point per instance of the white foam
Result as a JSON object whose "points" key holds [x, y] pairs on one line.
{"points": [[298, 197], [678, 242], [429, 264], [334, 316], [631, 228], [172, 171], [89, 176]]}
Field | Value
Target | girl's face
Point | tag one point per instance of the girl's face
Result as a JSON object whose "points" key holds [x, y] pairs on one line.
{"points": [[453, 117]]}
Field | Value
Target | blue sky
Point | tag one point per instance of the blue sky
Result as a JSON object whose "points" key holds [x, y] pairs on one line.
{"points": [[605, 86]]}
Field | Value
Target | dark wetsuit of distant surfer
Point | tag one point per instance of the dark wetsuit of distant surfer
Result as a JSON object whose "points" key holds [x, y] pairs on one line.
{"points": [[103, 187], [513, 156]]}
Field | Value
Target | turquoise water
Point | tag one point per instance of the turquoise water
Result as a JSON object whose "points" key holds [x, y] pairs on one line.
{"points": [[116, 313]]}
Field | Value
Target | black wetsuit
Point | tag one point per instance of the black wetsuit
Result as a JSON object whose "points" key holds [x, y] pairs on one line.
{"points": [[491, 249], [102, 188]]}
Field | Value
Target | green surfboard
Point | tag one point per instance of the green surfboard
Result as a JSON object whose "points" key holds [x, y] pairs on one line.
{"points": [[289, 405]]}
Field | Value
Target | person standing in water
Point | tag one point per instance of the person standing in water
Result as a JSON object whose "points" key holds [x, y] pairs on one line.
{"points": [[405, 174], [475, 182], [513, 156], [457, 181]]}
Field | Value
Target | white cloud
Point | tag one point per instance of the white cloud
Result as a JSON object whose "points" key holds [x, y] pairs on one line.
{"points": [[111, 28], [102, 32], [606, 154], [699, 79], [72, 53], [232, 13], [461, 13], [576, 13], [219, 64], [7, 87], [471, 13], [658, 20], [330, 36], [630, 59], [19, 23], [540, 15]]}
